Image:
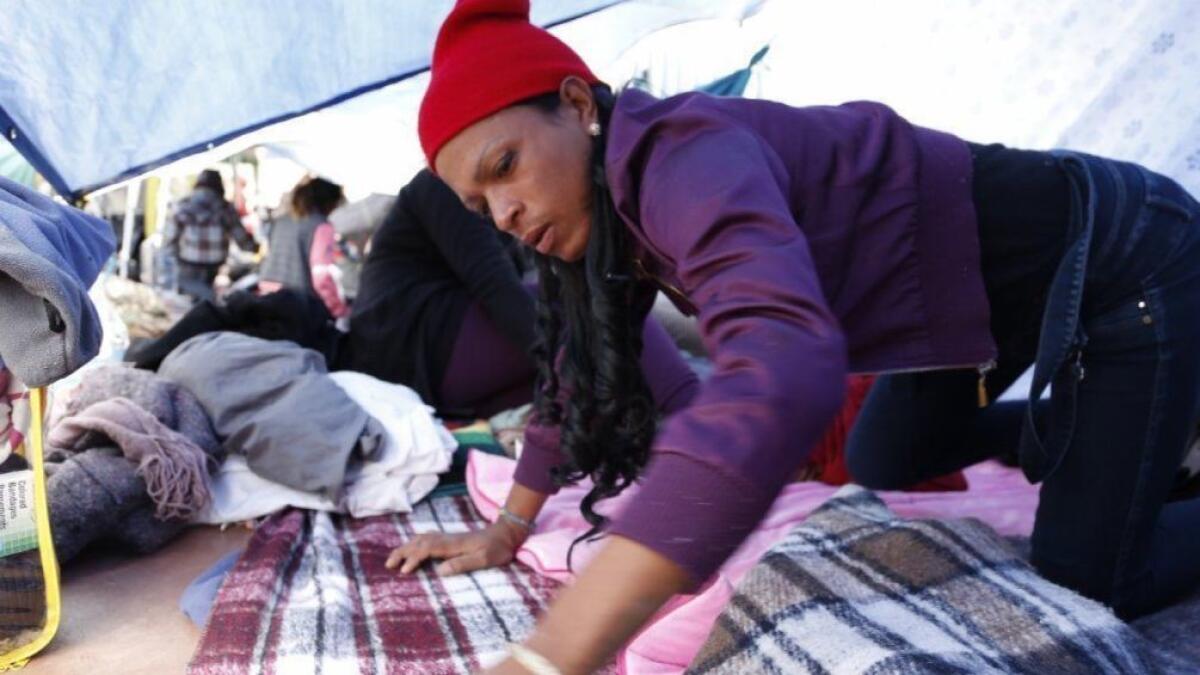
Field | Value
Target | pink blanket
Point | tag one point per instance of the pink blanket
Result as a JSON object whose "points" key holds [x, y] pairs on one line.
{"points": [[999, 496]]}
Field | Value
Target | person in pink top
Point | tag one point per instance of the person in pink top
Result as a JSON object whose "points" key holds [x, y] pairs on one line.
{"points": [[303, 252]]}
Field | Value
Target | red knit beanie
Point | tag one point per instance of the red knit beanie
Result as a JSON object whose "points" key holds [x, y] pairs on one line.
{"points": [[487, 57]]}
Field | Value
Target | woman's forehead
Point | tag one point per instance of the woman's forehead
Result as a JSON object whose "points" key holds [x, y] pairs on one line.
{"points": [[459, 160], [452, 160]]}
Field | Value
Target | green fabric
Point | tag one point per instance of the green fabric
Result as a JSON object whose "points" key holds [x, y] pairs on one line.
{"points": [[14, 167], [474, 437]]}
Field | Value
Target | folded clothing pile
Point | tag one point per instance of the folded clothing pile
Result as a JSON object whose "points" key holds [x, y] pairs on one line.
{"points": [[128, 458], [273, 403], [299, 436], [414, 448]]}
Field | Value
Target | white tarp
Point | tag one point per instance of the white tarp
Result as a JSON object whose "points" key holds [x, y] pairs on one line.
{"points": [[1119, 78]]}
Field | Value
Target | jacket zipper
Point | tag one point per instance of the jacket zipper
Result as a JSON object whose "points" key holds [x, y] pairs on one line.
{"points": [[981, 387], [676, 296]]}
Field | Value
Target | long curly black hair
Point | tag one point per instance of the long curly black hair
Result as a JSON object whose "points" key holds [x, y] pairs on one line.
{"points": [[590, 315]]}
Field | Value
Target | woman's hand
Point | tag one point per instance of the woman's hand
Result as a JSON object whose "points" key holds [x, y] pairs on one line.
{"points": [[492, 546]]}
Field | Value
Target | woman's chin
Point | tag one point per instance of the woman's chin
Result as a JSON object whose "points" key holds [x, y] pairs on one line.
{"points": [[572, 250]]}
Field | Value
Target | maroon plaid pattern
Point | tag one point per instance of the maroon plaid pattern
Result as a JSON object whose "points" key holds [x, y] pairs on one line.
{"points": [[201, 227], [311, 595]]}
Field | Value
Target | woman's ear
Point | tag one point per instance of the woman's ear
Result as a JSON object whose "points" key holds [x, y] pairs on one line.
{"points": [[577, 100]]}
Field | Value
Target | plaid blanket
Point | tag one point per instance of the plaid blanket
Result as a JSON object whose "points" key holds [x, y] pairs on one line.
{"points": [[311, 595], [856, 589]]}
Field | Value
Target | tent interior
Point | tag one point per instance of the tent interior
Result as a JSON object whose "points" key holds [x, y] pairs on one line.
{"points": [[116, 106]]}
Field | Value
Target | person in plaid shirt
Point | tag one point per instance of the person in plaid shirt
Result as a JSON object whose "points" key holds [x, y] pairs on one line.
{"points": [[198, 235]]}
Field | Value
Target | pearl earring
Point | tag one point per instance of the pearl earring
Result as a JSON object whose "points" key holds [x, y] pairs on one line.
{"points": [[594, 129]]}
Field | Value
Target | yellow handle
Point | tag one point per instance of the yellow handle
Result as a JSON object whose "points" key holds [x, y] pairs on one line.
{"points": [[33, 453]]}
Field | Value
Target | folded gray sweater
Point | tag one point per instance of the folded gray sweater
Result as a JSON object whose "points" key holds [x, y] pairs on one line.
{"points": [[274, 403]]}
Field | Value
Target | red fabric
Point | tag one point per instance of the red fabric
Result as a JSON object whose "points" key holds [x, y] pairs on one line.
{"points": [[310, 594], [828, 460], [487, 57]]}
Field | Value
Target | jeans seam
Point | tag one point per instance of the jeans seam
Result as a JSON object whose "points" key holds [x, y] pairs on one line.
{"points": [[1152, 430]]}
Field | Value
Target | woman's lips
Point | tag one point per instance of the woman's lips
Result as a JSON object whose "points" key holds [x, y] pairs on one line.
{"points": [[539, 238], [545, 241]]}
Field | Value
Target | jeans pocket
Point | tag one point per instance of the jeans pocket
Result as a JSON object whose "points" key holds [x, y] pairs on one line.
{"points": [[1128, 324]]}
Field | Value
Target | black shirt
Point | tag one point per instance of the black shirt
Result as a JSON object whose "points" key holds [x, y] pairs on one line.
{"points": [[1022, 203], [429, 260]]}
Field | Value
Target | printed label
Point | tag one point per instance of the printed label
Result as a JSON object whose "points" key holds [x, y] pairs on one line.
{"points": [[18, 532]]}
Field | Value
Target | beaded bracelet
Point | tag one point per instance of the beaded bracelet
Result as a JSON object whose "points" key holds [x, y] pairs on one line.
{"points": [[531, 660]]}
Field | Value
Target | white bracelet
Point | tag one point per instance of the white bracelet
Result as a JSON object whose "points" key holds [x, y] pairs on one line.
{"points": [[531, 660], [515, 519]]}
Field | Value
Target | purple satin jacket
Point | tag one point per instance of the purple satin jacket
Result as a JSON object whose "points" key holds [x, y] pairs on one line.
{"points": [[812, 242]]}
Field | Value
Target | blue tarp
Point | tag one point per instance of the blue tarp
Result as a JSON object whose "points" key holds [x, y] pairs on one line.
{"points": [[92, 93], [734, 84]]}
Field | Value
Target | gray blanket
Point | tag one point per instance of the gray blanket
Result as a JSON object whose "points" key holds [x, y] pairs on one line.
{"points": [[169, 403], [97, 496], [174, 469], [856, 589], [274, 403]]}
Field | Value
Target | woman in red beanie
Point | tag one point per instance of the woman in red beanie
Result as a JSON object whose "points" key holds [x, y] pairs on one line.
{"points": [[813, 242]]}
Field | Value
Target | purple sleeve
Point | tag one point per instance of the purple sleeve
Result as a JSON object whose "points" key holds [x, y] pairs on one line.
{"points": [[712, 204], [540, 453]]}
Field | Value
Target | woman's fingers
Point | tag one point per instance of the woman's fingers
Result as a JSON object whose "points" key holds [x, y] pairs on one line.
{"points": [[468, 562], [412, 554], [409, 556], [397, 556]]}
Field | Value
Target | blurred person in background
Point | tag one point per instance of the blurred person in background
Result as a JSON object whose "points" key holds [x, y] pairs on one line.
{"points": [[198, 235], [302, 252]]}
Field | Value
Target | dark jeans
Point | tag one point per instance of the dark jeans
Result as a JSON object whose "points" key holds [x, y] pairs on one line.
{"points": [[1122, 408], [197, 280]]}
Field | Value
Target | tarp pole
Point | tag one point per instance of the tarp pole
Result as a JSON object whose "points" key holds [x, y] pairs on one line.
{"points": [[150, 222], [131, 200]]}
